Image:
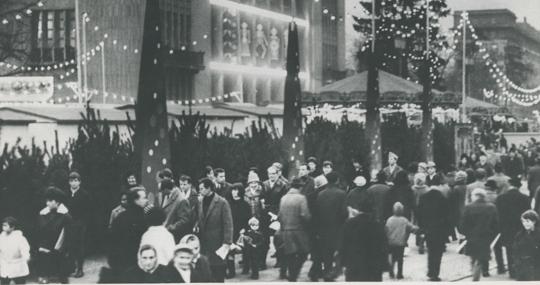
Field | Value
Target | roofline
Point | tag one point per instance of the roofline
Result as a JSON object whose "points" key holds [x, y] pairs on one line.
{"points": [[231, 108], [27, 113]]}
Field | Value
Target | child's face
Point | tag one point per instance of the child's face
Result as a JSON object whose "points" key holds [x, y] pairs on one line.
{"points": [[254, 227], [183, 260], [527, 224], [194, 245], [7, 228]]}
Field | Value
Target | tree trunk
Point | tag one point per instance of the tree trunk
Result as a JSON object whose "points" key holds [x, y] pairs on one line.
{"points": [[373, 118]]}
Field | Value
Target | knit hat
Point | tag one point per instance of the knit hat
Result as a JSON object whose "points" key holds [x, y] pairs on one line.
{"points": [[182, 247], [312, 159], [320, 181], [391, 154], [253, 177], [360, 181]]}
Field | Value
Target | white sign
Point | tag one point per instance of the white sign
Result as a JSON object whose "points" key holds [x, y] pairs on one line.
{"points": [[26, 88]]}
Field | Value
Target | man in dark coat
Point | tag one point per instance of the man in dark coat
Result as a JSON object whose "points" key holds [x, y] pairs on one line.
{"points": [[480, 225], [148, 270], [433, 178], [358, 195], [393, 168], [433, 219], [215, 227], [223, 188], [192, 196], [513, 164], [79, 204], [294, 217], [273, 190], [127, 230], [176, 207], [401, 192], [53, 238], [534, 178], [331, 215], [378, 192], [510, 206], [363, 249]]}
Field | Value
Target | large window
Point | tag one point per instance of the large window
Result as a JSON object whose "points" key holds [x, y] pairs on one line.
{"points": [[176, 20], [53, 36]]}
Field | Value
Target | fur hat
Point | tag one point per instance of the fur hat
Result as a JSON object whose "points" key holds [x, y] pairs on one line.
{"points": [[253, 177], [360, 181]]}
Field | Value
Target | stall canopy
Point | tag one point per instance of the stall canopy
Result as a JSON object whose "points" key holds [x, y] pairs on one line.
{"points": [[393, 89]]}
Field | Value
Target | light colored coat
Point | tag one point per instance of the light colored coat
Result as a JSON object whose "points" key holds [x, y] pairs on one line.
{"points": [[162, 240], [14, 255]]}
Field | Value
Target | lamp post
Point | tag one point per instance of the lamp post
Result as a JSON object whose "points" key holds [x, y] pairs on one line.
{"points": [[464, 69], [78, 47], [85, 66]]}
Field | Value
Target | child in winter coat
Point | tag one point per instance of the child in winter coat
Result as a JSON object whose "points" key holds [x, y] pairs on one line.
{"points": [[14, 253], [253, 241], [398, 229], [200, 262]]}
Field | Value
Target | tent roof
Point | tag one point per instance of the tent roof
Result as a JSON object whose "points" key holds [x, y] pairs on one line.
{"points": [[387, 83], [475, 103]]}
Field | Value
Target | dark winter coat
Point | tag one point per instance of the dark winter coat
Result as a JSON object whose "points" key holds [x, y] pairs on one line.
{"points": [[456, 199], [433, 216], [172, 275], [241, 213], [391, 174], [480, 225], [331, 212], [378, 192], [402, 194], [359, 198], [526, 251], [534, 180], [215, 228], [79, 206], [272, 195], [126, 232], [294, 217], [363, 249], [224, 189], [513, 167], [137, 275], [180, 220], [510, 206]]}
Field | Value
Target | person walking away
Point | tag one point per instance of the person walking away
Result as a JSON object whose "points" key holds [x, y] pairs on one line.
{"points": [[526, 248], [480, 182], [534, 178], [215, 228], [419, 188], [294, 218], [358, 195], [398, 228], [433, 220], [240, 214], [364, 252], [126, 232], [158, 236], [253, 241], [148, 268], [181, 270], [177, 210], [79, 204], [500, 179], [401, 192], [510, 206], [480, 225], [378, 192], [14, 253], [53, 237], [456, 199], [491, 191], [200, 262], [331, 215]]}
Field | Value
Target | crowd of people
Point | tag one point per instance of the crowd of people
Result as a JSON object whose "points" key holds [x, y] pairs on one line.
{"points": [[204, 230]]}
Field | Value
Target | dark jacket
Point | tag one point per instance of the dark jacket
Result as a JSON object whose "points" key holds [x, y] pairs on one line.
{"points": [[534, 180], [79, 206], [513, 167], [480, 225], [253, 239], [359, 198], [378, 192], [437, 179], [137, 275], [53, 230], [224, 189], [391, 174], [331, 215], [510, 206], [402, 194], [456, 199], [126, 232], [172, 275], [526, 255], [272, 195], [241, 213], [180, 220], [433, 216], [363, 249], [294, 217], [215, 228]]}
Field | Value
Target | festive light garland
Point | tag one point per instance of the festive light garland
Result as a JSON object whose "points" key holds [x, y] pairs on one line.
{"points": [[19, 16]]}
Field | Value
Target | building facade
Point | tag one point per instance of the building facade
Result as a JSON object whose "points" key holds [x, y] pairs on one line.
{"points": [[210, 47]]}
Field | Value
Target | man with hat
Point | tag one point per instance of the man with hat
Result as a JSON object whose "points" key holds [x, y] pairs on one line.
{"points": [[53, 237], [510, 206], [393, 168], [79, 204]]}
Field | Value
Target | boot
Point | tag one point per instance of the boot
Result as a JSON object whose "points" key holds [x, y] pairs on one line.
{"points": [[231, 271]]}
